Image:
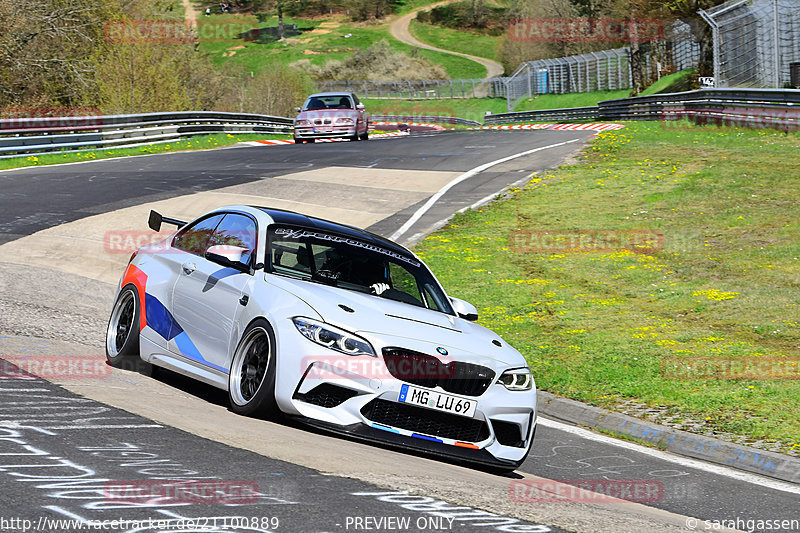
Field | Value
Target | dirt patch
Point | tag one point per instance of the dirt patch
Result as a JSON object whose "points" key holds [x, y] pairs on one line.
{"points": [[232, 50], [319, 31]]}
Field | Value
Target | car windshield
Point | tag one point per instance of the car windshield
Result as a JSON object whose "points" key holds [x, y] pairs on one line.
{"points": [[333, 101], [351, 264]]}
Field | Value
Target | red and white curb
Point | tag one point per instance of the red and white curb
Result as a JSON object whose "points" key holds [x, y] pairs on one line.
{"points": [[593, 126], [282, 141]]}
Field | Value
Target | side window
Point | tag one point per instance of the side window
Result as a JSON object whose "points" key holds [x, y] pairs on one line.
{"points": [[194, 239], [236, 230], [291, 255], [404, 281], [355, 98], [429, 299]]}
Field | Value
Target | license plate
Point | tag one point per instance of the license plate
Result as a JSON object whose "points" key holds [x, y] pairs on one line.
{"points": [[323, 130], [438, 401]]}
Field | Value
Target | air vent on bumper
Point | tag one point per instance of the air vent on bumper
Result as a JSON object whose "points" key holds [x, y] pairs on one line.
{"points": [[326, 395], [426, 421]]}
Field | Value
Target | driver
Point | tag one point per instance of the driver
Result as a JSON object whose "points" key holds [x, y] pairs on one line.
{"points": [[370, 273]]}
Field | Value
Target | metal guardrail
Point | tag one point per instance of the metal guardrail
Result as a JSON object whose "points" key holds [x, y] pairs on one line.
{"points": [[761, 108], [44, 135], [424, 118], [570, 113]]}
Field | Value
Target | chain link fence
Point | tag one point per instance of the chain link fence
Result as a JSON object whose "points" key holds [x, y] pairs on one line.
{"points": [[755, 41], [606, 70]]}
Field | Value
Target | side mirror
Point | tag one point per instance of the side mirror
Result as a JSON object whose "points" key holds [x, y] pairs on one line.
{"points": [[296, 109], [464, 309], [229, 256], [360, 107]]}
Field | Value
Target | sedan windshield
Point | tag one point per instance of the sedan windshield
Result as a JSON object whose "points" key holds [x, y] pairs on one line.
{"points": [[335, 101], [355, 265]]}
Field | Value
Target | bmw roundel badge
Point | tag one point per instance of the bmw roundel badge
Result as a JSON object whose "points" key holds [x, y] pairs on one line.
{"points": [[441, 350]]}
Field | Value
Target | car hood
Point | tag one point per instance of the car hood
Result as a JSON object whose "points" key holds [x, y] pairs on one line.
{"points": [[327, 113], [393, 321]]}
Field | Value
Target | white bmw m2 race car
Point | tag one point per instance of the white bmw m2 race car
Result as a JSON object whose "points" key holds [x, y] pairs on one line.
{"points": [[328, 323]]}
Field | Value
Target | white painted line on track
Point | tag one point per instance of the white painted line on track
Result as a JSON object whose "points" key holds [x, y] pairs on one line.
{"points": [[61, 510], [672, 458], [485, 200], [466, 175]]}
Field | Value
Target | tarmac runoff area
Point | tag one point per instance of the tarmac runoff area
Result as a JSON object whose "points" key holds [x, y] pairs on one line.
{"points": [[41, 272]]}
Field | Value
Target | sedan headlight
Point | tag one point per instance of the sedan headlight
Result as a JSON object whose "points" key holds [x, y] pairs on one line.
{"points": [[519, 379], [343, 120], [333, 337], [302, 122]]}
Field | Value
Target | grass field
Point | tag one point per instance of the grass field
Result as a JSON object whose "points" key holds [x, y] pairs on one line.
{"points": [[557, 101], [469, 108], [623, 325], [676, 82], [319, 40], [472, 43], [202, 142]]}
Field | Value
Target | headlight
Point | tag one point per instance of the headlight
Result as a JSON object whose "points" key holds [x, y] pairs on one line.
{"points": [[333, 337], [302, 122], [345, 121], [519, 379]]}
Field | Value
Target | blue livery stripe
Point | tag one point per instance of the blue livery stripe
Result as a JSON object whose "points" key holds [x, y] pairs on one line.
{"points": [[187, 348], [160, 319], [425, 437]]}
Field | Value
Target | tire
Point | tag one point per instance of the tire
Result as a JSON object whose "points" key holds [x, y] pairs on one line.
{"points": [[122, 333], [311, 141], [251, 382], [298, 141], [365, 136]]}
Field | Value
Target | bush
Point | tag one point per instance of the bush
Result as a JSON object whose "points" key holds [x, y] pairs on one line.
{"points": [[273, 92], [493, 19], [147, 77], [379, 62]]}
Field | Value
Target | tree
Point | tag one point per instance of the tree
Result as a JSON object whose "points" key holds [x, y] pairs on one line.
{"points": [[687, 11], [45, 48]]}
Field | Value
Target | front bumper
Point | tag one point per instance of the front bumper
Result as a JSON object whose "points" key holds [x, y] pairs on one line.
{"points": [[344, 400], [334, 132]]}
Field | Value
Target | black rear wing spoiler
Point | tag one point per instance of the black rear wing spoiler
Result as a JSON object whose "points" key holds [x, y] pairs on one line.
{"points": [[155, 220]]}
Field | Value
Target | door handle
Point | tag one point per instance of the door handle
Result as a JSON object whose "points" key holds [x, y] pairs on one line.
{"points": [[188, 268], [244, 299]]}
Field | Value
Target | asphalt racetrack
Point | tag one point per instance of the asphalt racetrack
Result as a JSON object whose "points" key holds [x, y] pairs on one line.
{"points": [[64, 443]]}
